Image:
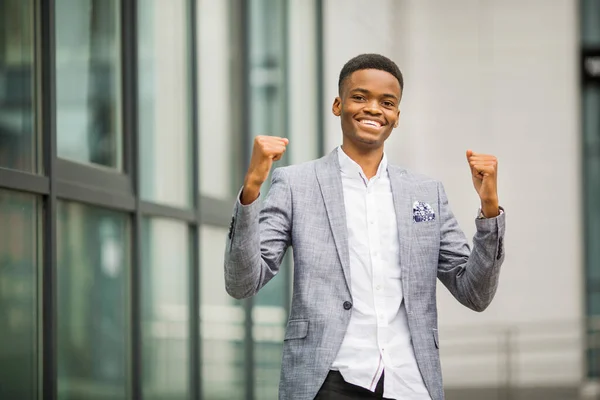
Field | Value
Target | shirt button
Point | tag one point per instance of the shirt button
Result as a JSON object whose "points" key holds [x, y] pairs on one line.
{"points": [[347, 305], [378, 287], [371, 222]]}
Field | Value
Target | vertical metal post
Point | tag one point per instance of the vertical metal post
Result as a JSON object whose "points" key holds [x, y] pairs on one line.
{"points": [[131, 146], [320, 10], [48, 130], [247, 141], [195, 346]]}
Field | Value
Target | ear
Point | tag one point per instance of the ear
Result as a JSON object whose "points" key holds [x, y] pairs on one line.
{"points": [[397, 119], [336, 108]]}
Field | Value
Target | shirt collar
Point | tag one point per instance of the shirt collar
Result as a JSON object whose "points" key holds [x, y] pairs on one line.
{"points": [[350, 168]]}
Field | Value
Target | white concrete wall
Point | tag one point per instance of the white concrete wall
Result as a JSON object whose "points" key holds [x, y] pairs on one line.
{"points": [[497, 77]]}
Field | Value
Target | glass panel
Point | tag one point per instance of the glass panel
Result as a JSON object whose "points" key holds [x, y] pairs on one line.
{"points": [[302, 64], [267, 68], [268, 112], [20, 253], [18, 144], [590, 23], [165, 309], [92, 317], [222, 324], [88, 81], [220, 100], [163, 101], [591, 167]]}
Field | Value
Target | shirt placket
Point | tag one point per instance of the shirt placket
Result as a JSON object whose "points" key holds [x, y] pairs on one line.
{"points": [[375, 254]]}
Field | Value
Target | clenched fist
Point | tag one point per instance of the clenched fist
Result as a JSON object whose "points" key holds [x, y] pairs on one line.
{"points": [[484, 169], [266, 150]]}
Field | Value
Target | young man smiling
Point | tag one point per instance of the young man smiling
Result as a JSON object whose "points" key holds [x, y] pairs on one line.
{"points": [[369, 240]]}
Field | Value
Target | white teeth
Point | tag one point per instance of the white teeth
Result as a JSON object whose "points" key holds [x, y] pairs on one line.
{"points": [[371, 123]]}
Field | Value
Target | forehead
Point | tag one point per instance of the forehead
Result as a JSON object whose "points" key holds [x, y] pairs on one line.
{"points": [[373, 80]]}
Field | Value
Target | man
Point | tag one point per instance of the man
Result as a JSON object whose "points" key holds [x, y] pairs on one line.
{"points": [[369, 240]]}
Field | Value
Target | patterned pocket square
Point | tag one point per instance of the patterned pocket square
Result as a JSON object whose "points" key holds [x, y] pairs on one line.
{"points": [[422, 212]]}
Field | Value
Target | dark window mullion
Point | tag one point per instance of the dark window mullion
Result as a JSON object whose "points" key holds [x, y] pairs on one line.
{"points": [[194, 275], [93, 196], [215, 212], [246, 94], [93, 176], [160, 210], [320, 9], [131, 165], [48, 132], [24, 181]]}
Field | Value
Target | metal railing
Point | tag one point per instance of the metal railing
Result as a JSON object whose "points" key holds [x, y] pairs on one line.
{"points": [[554, 360]]}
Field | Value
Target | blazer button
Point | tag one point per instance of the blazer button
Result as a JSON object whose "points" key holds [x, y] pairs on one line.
{"points": [[347, 305]]}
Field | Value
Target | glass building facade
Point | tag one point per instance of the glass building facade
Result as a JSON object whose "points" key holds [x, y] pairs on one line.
{"points": [[125, 130], [590, 42]]}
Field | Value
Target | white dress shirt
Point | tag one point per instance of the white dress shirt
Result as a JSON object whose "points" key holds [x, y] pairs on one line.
{"points": [[378, 337]]}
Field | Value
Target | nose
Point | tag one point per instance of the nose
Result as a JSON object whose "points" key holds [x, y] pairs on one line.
{"points": [[372, 107]]}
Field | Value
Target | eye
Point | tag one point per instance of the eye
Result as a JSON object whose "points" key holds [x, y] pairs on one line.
{"points": [[358, 97], [388, 104]]}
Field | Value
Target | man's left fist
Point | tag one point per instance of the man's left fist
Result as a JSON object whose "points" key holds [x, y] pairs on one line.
{"points": [[484, 172]]}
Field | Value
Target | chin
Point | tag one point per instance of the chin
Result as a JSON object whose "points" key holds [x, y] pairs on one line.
{"points": [[367, 142]]}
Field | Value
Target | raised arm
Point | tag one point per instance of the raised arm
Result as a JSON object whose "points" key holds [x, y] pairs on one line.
{"points": [[257, 238], [472, 276]]}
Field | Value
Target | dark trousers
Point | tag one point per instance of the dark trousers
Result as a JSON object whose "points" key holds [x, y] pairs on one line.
{"points": [[336, 388]]}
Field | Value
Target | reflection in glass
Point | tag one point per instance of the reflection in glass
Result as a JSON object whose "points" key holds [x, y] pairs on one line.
{"points": [[18, 145], [590, 23], [302, 64], [88, 81], [163, 91], [19, 257], [220, 100], [267, 68], [165, 309], [93, 266], [268, 107], [222, 324], [591, 168]]}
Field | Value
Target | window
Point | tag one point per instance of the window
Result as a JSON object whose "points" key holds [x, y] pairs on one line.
{"points": [[20, 253], [222, 324], [18, 139], [591, 168], [165, 309], [92, 315], [88, 81], [163, 101], [220, 99], [268, 116], [590, 36]]}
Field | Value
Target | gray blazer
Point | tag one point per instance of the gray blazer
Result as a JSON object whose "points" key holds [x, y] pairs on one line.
{"points": [[305, 209]]}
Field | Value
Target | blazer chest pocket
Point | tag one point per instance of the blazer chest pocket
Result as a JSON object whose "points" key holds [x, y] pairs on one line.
{"points": [[296, 329]]}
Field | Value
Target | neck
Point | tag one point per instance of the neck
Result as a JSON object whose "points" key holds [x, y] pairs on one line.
{"points": [[368, 160]]}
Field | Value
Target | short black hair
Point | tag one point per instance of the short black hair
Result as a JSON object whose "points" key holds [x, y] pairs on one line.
{"points": [[370, 61]]}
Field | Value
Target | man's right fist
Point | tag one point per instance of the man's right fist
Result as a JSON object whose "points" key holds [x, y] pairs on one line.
{"points": [[266, 150]]}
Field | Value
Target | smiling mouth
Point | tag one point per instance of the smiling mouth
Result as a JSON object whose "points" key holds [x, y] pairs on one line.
{"points": [[370, 123]]}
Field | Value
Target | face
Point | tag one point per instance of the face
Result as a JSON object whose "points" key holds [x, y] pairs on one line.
{"points": [[368, 108]]}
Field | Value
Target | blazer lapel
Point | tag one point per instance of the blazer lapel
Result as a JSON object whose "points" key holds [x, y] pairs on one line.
{"points": [[402, 194], [330, 183]]}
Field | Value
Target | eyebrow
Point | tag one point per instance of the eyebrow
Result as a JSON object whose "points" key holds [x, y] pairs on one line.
{"points": [[365, 91]]}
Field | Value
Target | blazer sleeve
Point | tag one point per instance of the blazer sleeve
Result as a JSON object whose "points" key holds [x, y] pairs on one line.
{"points": [[258, 239], [471, 276]]}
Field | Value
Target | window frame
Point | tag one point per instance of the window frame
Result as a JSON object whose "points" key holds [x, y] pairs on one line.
{"points": [[64, 180]]}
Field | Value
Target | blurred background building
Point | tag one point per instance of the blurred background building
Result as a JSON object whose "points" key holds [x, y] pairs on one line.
{"points": [[125, 130]]}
